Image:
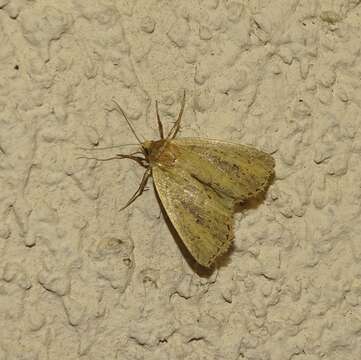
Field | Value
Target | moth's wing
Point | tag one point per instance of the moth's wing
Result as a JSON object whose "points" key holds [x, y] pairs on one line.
{"points": [[199, 181], [202, 218], [234, 170]]}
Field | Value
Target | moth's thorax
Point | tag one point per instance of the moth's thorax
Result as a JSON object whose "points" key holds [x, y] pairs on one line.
{"points": [[160, 152]]}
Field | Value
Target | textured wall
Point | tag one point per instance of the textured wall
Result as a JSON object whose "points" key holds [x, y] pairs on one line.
{"points": [[79, 279]]}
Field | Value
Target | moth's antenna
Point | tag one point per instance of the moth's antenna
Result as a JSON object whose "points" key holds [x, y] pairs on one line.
{"points": [[127, 120], [105, 147], [175, 128]]}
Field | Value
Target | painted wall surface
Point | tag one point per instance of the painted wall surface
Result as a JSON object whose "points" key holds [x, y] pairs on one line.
{"points": [[81, 280]]}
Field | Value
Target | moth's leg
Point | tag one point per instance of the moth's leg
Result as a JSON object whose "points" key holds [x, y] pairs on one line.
{"points": [[140, 189], [175, 128], [98, 159], [160, 125], [141, 161]]}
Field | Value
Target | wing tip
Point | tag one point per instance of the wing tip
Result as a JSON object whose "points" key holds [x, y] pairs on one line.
{"points": [[223, 249]]}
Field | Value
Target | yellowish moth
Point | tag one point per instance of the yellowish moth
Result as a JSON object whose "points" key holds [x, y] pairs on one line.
{"points": [[199, 182]]}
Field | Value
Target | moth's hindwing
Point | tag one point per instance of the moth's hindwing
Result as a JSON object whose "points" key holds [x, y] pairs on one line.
{"points": [[200, 188]]}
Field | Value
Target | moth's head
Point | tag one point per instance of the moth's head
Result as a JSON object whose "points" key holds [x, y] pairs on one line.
{"points": [[152, 148], [147, 147]]}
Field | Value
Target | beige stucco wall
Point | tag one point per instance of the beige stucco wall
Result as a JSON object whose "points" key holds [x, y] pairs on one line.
{"points": [[81, 280]]}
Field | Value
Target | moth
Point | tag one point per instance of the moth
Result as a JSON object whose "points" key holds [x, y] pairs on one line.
{"points": [[199, 182]]}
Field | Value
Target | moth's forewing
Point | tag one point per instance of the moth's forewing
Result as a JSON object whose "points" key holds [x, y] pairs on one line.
{"points": [[198, 182], [202, 218], [234, 170]]}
